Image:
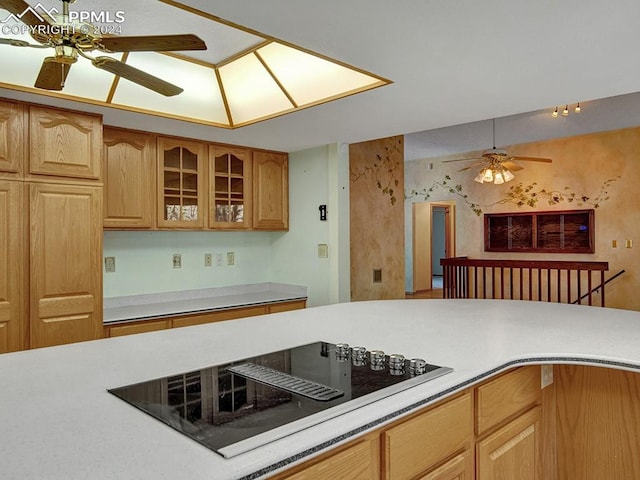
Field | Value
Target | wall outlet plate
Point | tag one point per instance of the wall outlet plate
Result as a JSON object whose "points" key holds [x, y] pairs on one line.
{"points": [[323, 250], [208, 260], [177, 260], [231, 258]]}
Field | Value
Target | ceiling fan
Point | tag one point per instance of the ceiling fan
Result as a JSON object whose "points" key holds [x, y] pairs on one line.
{"points": [[498, 165], [73, 39]]}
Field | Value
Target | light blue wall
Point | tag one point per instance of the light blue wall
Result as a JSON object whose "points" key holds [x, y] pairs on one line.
{"points": [[144, 260], [316, 176]]}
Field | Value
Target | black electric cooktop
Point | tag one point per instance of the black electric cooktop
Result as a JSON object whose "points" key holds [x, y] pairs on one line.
{"points": [[239, 406]]}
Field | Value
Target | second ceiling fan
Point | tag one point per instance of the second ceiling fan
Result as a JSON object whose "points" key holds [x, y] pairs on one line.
{"points": [[497, 165]]}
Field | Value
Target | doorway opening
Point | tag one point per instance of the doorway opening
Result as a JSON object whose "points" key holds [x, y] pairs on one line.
{"points": [[433, 239]]}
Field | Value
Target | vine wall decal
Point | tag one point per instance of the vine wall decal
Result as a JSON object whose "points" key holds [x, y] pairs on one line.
{"points": [[519, 195]]}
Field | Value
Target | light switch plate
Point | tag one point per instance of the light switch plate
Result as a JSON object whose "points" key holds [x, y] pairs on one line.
{"points": [[323, 250], [109, 264]]}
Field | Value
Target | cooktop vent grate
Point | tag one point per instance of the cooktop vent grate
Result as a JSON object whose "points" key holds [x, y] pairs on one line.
{"points": [[286, 382]]}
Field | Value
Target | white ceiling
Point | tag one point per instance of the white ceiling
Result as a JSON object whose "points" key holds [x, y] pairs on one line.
{"points": [[451, 61]]}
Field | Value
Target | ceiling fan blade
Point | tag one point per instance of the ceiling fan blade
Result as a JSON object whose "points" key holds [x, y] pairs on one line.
{"points": [[23, 12], [509, 165], [153, 43], [461, 159], [52, 74], [136, 76], [477, 164], [532, 159], [20, 43]]}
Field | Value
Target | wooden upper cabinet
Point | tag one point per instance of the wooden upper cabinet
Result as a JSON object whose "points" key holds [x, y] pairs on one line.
{"points": [[12, 267], [229, 187], [129, 178], [65, 144], [12, 138], [65, 263], [270, 191], [181, 180]]}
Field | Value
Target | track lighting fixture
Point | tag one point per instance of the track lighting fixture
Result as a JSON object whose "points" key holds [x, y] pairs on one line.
{"points": [[565, 111]]}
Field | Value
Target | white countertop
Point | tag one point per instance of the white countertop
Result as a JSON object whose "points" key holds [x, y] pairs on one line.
{"points": [[59, 422], [158, 305]]}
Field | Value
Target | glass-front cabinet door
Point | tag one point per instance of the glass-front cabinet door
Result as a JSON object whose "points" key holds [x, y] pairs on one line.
{"points": [[229, 184], [180, 183]]}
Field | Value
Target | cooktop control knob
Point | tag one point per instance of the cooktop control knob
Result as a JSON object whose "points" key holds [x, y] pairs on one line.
{"points": [[417, 366], [342, 352], [358, 356], [376, 358], [396, 364]]}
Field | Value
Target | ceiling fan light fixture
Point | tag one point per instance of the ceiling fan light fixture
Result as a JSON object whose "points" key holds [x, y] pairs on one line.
{"points": [[554, 114], [565, 112], [577, 109], [488, 175], [480, 177], [508, 176], [498, 178]]}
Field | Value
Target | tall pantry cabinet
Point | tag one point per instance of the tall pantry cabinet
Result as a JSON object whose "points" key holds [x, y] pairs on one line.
{"points": [[59, 185]]}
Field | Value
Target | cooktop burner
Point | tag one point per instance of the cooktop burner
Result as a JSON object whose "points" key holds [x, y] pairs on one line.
{"points": [[237, 407]]}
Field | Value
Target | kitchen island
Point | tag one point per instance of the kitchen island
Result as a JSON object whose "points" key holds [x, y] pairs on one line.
{"points": [[59, 421]]}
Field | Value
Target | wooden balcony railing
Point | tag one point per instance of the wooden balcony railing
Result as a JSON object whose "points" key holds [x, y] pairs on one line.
{"points": [[545, 280]]}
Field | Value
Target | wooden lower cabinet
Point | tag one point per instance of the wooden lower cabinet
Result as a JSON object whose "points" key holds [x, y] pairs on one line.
{"points": [[199, 319], [439, 442], [359, 460], [421, 442], [459, 467], [65, 264], [513, 451]]}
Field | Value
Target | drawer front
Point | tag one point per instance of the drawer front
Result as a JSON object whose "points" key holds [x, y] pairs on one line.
{"points": [[231, 314], [421, 442], [359, 462], [499, 399], [142, 327], [287, 306]]}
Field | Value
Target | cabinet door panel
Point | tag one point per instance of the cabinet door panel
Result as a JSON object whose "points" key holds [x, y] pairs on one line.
{"points": [[181, 179], [459, 467], [66, 144], [513, 451], [11, 137], [12, 267], [66, 273], [128, 178], [229, 188], [419, 443], [270, 191]]}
